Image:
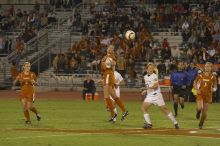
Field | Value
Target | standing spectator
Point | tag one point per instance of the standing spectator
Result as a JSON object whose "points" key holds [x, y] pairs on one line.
{"points": [[55, 63], [121, 64], [14, 71], [89, 87], [175, 52]]}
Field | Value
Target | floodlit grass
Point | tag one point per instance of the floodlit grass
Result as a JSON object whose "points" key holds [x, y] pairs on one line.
{"points": [[82, 115]]}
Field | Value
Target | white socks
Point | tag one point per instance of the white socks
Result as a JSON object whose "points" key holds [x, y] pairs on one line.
{"points": [[147, 118], [115, 110], [172, 118]]}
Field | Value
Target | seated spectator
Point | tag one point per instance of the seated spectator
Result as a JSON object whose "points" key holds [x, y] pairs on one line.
{"points": [[19, 45], [161, 69], [83, 65], [89, 87], [74, 65]]}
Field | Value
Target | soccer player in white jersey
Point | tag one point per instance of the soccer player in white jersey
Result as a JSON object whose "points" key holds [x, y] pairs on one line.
{"points": [[118, 81], [154, 96]]}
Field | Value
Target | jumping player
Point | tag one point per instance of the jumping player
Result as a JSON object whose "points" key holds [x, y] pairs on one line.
{"points": [[108, 67], [118, 82]]}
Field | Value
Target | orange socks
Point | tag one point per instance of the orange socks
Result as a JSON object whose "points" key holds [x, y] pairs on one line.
{"points": [[120, 104], [34, 110], [110, 105], [27, 116]]}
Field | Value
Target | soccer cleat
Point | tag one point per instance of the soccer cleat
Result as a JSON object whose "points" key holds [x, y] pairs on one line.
{"points": [[38, 117], [177, 126], [200, 125], [147, 126], [198, 114], [124, 115], [112, 118], [28, 122]]}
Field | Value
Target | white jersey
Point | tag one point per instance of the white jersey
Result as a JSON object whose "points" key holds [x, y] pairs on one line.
{"points": [[153, 96], [150, 80], [118, 79]]}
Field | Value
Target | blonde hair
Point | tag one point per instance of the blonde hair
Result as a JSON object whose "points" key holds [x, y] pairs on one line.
{"points": [[25, 64], [110, 47], [155, 68]]}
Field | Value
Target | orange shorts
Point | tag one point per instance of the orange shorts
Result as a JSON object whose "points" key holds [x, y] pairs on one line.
{"points": [[28, 96], [205, 98]]}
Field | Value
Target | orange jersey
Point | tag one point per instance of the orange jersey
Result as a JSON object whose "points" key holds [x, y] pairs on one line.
{"points": [[108, 70], [205, 84], [26, 82]]}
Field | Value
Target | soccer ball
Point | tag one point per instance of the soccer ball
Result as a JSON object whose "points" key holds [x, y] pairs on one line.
{"points": [[130, 35]]}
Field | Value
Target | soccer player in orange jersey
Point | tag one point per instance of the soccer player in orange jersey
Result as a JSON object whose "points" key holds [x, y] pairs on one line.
{"points": [[108, 78], [27, 81], [205, 83]]}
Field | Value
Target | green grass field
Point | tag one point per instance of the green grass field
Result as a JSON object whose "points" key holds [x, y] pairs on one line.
{"points": [[61, 119]]}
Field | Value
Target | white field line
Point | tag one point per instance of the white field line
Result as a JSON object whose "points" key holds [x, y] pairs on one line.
{"points": [[182, 136], [45, 136]]}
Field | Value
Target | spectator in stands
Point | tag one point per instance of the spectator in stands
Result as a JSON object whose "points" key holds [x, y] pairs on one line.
{"points": [[70, 22], [63, 64], [44, 20], [2, 44], [161, 69], [218, 87], [165, 44], [175, 52], [55, 63], [74, 65], [89, 87], [14, 71], [121, 64], [1, 65], [166, 53], [82, 65], [51, 17]]}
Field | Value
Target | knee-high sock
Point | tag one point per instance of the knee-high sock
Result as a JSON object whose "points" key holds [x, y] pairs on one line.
{"points": [[115, 110], [110, 105], [120, 104], [175, 106], [147, 118], [172, 118], [34, 110], [203, 117], [26, 115]]}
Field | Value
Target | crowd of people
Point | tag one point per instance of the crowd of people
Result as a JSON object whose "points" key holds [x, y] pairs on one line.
{"points": [[107, 29]]}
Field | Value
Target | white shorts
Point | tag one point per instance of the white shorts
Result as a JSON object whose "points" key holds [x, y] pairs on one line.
{"points": [[117, 92], [156, 99]]}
